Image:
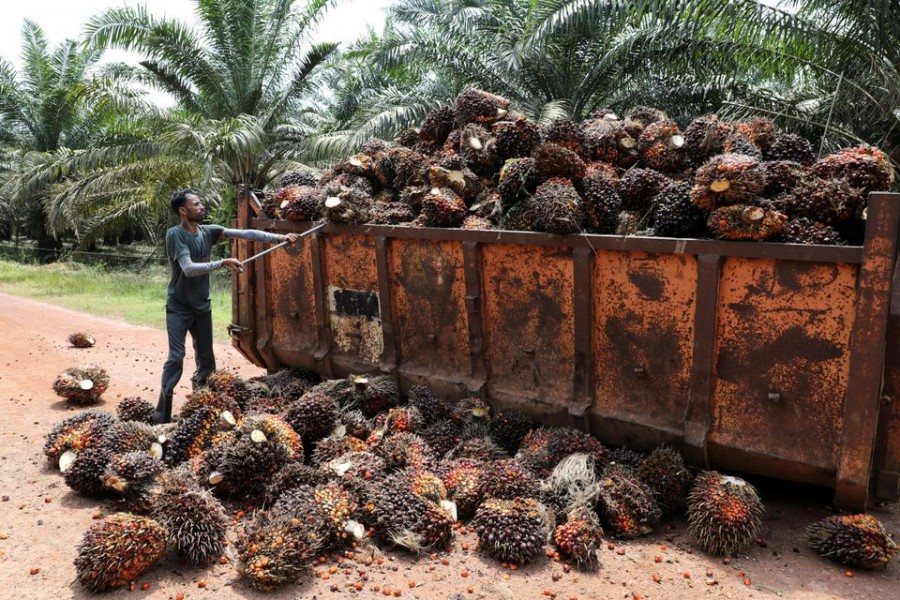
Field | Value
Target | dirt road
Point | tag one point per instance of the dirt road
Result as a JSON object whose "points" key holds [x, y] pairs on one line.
{"points": [[41, 520]]}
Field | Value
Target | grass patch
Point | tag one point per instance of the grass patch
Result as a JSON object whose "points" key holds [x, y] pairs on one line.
{"points": [[136, 297]]}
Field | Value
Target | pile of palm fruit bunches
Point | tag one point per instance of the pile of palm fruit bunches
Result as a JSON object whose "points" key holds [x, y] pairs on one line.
{"points": [[475, 164], [348, 463]]}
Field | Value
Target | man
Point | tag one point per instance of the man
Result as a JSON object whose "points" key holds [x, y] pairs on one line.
{"points": [[188, 307]]}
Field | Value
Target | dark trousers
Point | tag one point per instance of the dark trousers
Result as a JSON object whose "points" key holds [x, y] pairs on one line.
{"points": [[178, 324]]}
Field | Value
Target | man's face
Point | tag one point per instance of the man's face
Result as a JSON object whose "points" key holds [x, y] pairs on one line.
{"points": [[193, 209]]}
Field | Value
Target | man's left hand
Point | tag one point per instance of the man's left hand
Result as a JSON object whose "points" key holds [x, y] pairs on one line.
{"points": [[290, 237]]}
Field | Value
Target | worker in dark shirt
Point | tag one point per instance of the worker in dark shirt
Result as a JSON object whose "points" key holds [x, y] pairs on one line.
{"points": [[188, 303]]}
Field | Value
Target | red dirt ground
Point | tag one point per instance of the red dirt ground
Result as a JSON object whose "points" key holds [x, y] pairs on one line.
{"points": [[42, 521]]}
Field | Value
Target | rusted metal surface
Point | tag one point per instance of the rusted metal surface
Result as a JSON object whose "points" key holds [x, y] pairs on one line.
{"points": [[764, 358]]}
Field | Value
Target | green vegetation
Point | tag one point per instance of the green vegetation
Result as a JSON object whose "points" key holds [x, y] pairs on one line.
{"points": [[137, 297]]}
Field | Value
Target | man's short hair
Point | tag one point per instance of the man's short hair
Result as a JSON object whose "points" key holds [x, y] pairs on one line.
{"points": [[179, 197]]}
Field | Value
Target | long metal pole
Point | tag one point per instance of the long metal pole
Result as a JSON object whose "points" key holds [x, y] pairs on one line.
{"points": [[282, 244]]}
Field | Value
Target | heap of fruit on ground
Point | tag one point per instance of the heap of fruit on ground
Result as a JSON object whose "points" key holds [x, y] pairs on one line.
{"points": [[477, 164], [346, 463]]}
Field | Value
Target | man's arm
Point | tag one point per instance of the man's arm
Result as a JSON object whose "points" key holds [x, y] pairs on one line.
{"points": [[192, 269], [255, 235]]}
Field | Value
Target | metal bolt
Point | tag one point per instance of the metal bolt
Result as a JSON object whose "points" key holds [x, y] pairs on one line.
{"points": [[885, 400], [295, 315], [775, 396], [640, 371]]}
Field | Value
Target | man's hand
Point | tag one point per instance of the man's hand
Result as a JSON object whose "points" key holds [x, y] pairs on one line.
{"points": [[290, 237], [233, 264]]}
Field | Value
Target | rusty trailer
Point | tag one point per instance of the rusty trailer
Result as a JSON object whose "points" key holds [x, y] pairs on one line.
{"points": [[775, 359]]}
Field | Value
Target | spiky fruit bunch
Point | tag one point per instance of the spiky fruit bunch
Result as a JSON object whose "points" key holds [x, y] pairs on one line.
{"points": [[855, 540], [705, 137], [299, 177], [329, 505], [476, 447], [792, 147], [579, 538], [507, 479], [744, 222], [424, 483], [355, 468], [476, 223], [81, 385], [511, 530], [287, 383], [608, 141], [132, 473], [520, 216], [372, 393], [401, 517], [462, 181], [807, 231], [437, 126], [80, 339], [600, 199], [195, 519], [558, 207], [76, 433], [625, 503], [86, 473], [360, 165], [638, 187], [298, 203], [432, 408], [333, 446], [629, 222], [665, 473], [442, 207], [760, 131], [290, 476], [355, 424], [565, 133], [471, 411], [828, 201], [661, 146], [518, 181], [229, 384], [193, 435], [390, 213], [738, 144], [645, 115], [542, 449], [476, 106], [117, 550], [478, 149], [724, 513], [216, 401], [781, 176], [516, 139], [313, 416], [674, 215], [275, 549], [727, 179], [627, 457], [509, 428], [408, 138], [131, 436], [864, 167], [135, 408], [442, 436], [554, 160], [461, 479], [402, 418], [349, 206]]}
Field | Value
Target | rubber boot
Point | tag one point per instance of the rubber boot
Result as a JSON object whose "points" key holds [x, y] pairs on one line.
{"points": [[163, 412]]}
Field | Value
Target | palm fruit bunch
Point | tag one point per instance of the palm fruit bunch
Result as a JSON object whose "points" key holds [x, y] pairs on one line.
{"points": [[461, 479], [400, 419], [312, 416], [442, 436], [806, 231], [565, 133], [759, 131], [391, 213], [516, 139], [642, 116], [135, 408], [511, 531], [333, 446], [571, 484], [424, 484], [724, 513], [507, 479], [554, 160], [863, 167], [436, 127], [80, 339], [827, 201], [378, 393], [275, 549], [542, 449], [408, 138], [745, 222], [462, 181], [600, 199], [354, 423], [518, 181], [508, 428], [626, 504], [520, 216], [477, 446], [132, 474], [791, 147], [299, 177], [579, 538], [290, 383], [558, 207], [607, 140], [290, 476], [349, 206], [738, 144], [781, 176], [855, 540], [298, 203], [76, 433], [328, 505], [442, 207], [661, 146], [668, 478], [626, 456], [478, 150], [195, 519], [400, 450], [86, 473], [226, 407], [132, 436], [355, 469], [432, 408], [81, 385], [192, 436], [638, 187], [630, 222], [230, 385], [406, 519], [117, 550], [476, 106], [727, 179], [674, 215], [705, 137]]}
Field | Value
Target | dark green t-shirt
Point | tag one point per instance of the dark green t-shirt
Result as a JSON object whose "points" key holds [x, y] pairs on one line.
{"points": [[191, 293]]}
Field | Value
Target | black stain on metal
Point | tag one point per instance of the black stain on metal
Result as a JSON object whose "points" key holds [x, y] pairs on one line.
{"points": [[352, 303], [648, 282]]}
